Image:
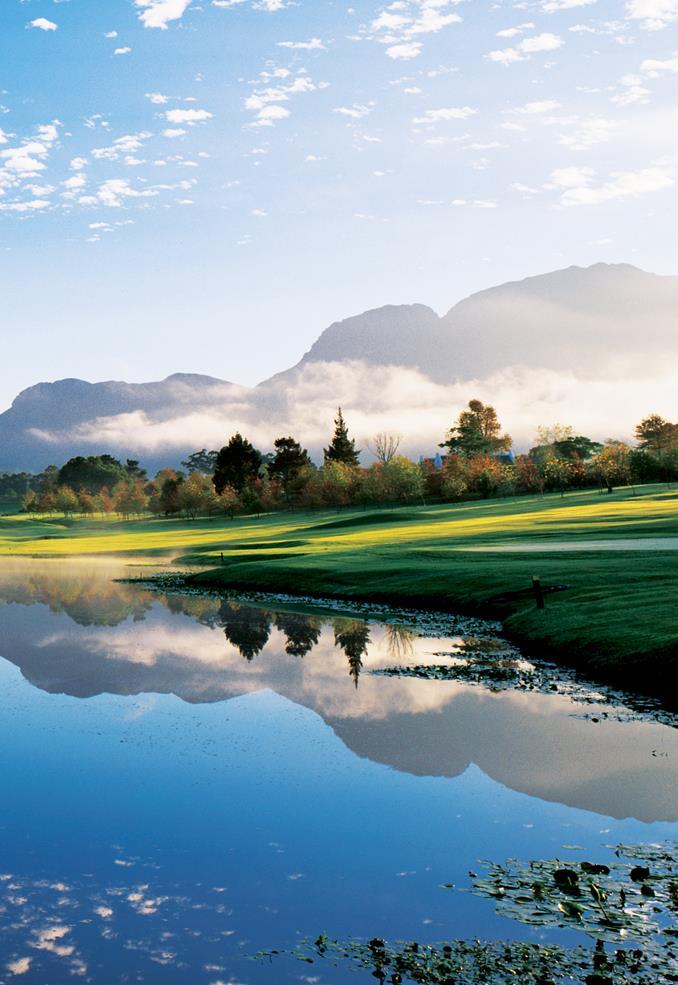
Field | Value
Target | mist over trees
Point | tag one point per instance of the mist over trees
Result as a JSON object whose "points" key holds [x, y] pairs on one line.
{"points": [[475, 461]]}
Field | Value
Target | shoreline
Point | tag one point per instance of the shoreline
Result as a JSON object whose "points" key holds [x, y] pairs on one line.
{"points": [[584, 659]]}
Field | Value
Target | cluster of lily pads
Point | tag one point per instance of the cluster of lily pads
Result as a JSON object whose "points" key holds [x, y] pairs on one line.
{"points": [[629, 908], [634, 898], [479, 962]]}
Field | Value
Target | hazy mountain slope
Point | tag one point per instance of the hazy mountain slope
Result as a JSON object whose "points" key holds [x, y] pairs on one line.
{"points": [[600, 319], [392, 335], [40, 427], [605, 319]]}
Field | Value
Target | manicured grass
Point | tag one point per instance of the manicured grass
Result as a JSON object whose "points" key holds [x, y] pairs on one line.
{"points": [[618, 618]]}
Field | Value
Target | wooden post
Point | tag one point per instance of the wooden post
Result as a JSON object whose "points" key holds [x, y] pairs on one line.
{"points": [[538, 594], [222, 557]]}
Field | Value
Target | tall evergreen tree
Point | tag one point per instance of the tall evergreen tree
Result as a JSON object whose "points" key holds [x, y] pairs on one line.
{"points": [[342, 448], [237, 463]]}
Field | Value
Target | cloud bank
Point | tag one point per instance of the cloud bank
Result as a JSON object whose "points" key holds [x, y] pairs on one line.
{"points": [[376, 399]]}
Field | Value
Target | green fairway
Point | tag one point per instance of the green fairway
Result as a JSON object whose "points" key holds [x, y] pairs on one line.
{"points": [[616, 553]]}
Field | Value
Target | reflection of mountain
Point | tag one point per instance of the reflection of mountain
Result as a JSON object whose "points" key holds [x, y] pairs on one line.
{"points": [[533, 743]]}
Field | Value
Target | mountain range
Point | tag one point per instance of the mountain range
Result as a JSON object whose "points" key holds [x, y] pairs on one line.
{"points": [[596, 332]]}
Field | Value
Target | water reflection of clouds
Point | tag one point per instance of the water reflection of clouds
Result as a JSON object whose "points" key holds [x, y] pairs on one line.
{"points": [[39, 941], [202, 660], [19, 967], [205, 649]]}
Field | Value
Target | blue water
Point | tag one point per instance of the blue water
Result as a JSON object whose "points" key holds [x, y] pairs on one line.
{"points": [[194, 806]]}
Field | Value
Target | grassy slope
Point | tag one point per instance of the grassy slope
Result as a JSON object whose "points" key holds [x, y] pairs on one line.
{"points": [[619, 618]]}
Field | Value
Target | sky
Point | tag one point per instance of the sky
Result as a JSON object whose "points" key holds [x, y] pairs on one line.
{"points": [[204, 185]]}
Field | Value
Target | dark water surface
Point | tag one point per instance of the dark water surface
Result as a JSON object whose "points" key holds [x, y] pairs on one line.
{"points": [[187, 780]]}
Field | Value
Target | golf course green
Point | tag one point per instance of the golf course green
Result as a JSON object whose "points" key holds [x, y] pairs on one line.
{"points": [[608, 566]]}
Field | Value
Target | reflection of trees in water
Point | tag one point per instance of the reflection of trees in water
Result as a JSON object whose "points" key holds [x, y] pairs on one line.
{"points": [[302, 632], [399, 641], [202, 608], [246, 628], [352, 636], [88, 601]]}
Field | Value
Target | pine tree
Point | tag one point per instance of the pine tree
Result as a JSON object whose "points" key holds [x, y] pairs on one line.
{"points": [[342, 448]]}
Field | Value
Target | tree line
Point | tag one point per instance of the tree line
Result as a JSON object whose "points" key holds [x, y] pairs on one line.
{"points": [[474, 461]]}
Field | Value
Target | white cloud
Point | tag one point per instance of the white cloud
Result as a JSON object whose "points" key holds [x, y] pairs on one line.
{"points": [[189, 116], [112, 193], [402, 23], [632, 91], [580, 187], [270, 6], [654, 67], [553, 6], [572, 177], [44, 25], [264, 100], [75, 182], [158, 13], [405, 50], [32, 205], [525, 48], [537, 107], [127, 144], [446, 113], [655, 14], [513, 32], [122, 51], [315, 44], [358, 111], [588, 133]]}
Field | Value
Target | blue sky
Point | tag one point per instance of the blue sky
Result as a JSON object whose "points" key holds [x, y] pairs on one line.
{"points": [[189, 185]]}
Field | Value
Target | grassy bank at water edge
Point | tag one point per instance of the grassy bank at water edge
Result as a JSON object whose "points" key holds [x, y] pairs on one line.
{"points": [[617, 554]]}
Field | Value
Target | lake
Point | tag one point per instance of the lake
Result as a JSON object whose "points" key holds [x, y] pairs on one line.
{"points": [[188, 780]]}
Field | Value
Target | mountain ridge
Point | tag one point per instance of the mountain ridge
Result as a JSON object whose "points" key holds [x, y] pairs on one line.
{"points": [[598, 322]]}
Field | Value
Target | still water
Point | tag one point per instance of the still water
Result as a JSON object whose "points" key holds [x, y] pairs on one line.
{"points": [[187, 780]]}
